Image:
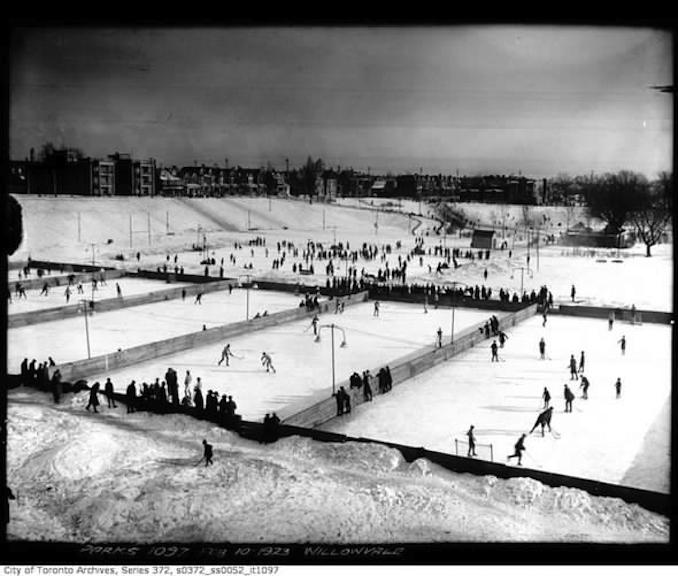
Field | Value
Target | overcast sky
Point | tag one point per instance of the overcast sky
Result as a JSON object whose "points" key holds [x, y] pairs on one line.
{"points": [[493, 99]]}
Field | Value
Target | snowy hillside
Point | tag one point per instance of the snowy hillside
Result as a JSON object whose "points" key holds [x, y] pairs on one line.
{"points": [[111, 477]]}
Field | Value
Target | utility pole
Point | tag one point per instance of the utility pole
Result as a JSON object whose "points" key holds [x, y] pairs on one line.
{"points": [[84, 308]]}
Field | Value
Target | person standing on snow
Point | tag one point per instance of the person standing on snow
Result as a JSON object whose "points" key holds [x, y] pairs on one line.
{"points": [[108, 390], [495, 357], [471, 442], [93, 398], [207, 453], [573, 368], [546, 395]]}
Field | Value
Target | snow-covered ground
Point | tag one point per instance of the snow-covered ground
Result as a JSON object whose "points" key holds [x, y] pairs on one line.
{"points": [[603, 438], [303, 367], [115, 477], [56, 295], [66, 340]]}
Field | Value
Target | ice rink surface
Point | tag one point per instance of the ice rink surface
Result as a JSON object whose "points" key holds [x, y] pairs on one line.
{"points": [[303, 367], [604, 438], [66, 341], [56, 296]]}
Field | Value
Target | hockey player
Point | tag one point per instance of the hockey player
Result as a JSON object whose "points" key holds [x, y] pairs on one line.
{"points": [[225, 354], [573, 368], [518, 450], [581, 362], [542, 348], [569, 397], [622, 342], [546, 395], [495, 357], [585, 387], [544, 419], [471, 442], [502, 338], [267, 362]]}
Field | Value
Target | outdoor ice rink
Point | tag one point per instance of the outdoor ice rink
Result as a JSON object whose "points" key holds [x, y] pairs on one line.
{"points": [[56, 297], [624, 440], [66, 341], [303, 366]]}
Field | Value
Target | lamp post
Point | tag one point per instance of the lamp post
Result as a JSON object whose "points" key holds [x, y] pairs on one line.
{"points": [[454, 295], [332, 328], [247, 291], [84, 309], [522, 270]]}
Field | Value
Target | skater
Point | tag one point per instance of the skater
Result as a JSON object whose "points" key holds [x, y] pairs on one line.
{"points": [[376, 308], [108, 390], [183, 294], [585, 387], [67, 293], [542, 349], [225, 354], [198, 298], [93, 398], [581, 362], [207, 455], [622, 341], [617, 387], [610, 320], [267, 362], [518, 450], [502, 338], [118, 290], [569, 397], [573, 368], [546, 395], [471, 442], [314, 323], [440, 337], [495, 357], [544, 315], [45, 289], [573, 292], [544, 419]]}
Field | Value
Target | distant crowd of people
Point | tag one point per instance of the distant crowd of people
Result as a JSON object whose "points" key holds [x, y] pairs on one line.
{"points": [[362, 385]]}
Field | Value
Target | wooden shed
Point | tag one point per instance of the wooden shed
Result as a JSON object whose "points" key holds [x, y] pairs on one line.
{"points": [[482, 239]]}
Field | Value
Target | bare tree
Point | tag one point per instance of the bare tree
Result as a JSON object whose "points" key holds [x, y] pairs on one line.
{"points": [[651, 220]]}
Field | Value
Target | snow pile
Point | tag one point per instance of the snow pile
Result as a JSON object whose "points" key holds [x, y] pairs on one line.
{"points": [[117, 477]]}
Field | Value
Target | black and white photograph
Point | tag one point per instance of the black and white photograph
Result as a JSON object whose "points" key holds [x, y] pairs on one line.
{"points": [[353, 294]]}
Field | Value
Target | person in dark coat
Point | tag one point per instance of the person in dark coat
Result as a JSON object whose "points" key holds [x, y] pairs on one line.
{"points": [[471, 442], [542, 349], [389, 379], [544, 419], [622, 342], [108, 390], [546, 396], [518, 450], [367, 389], [617, 387], [131, 397], [585, 387], [569, 397], [347, 400], [339, 397], [581, 362], [24, 372], [495, 357], [198, 399], [93, 398], [57, 387], [573, 368], [208, 452]]}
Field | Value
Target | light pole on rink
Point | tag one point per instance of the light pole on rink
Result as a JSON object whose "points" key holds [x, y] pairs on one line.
{"points": [[454, 297], [84, 309], [332, 328]]}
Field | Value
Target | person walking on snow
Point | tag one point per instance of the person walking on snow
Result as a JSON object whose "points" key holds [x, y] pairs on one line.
{"points": [[518, 450], [267, 362], [573, 368], [617, 387], [581, 362], [207, 453], [544, 419], [569, 397], [622, 341], [542, 349], [495, 357], [93, 398], [225, 354], [585, 387], [471, 442], [546, 395], [573, 292]]}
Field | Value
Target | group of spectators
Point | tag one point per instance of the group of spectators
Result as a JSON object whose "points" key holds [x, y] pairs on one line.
{"points": [[362, 385]]}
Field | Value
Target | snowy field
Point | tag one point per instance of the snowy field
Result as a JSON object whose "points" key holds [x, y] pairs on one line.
{"points": [[114, 477], [602, 439], [56, 296], [303, 367], [66, 341]]}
